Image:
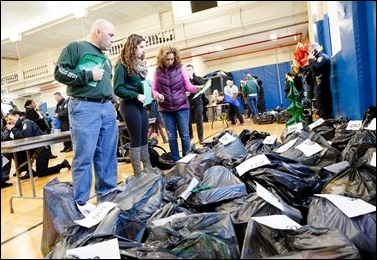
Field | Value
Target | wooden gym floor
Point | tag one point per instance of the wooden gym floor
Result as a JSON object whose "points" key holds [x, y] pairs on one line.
{"points": [[21, 232]]}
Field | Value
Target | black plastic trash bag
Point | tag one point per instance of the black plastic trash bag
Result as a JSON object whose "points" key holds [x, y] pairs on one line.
{"points": [[140, 196], [292, 181], [307, 242], [256, 146], [327, 156], [361, 230], [354, 182], [369, 115], [342, 136], [358, 145], [200, 236], [59, 212], [327, 129], [121, 224], [168, 210], [220, 184], [252, 205], [241, 209], [231, 151], [195, 167]]}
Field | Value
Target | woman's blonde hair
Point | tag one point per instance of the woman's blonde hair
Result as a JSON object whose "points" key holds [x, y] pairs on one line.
{"points": [[163, 53]]}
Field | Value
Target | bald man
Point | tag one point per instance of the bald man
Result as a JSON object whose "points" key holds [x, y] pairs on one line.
{"points": [[86, 71]]}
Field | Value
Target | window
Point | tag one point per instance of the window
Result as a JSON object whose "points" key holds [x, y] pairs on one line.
{"points": [[197, 6]]}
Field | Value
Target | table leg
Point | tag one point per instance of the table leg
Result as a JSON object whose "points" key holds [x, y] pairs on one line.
{"points": [[30, 170], [19, 188]]}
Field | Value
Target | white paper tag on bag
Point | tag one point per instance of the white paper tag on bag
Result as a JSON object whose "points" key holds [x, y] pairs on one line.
{"points": [[268, 196], [269, 139], [316, 123], [372, 125], [295, 128], [286, 146], [96, 215], [354, 125], [226, 139], [254, 162], [186, 193], [373, 160], [187, 158], [308, 147], [102, 250], [352, 207], [278, 222]]}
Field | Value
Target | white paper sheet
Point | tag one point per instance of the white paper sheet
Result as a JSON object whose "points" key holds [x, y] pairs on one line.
{"points": [[187, 158], [194, 182], [308, 147], [337, 167], [268, 196], [373, 160], [102, 250], [316, 123], [372, 125], [254, 162], [163, 221], [354, 125], [269, 139], [286, 146], [227, 138], [96, 215], [295, 128], [278, 222], [352, 207]]}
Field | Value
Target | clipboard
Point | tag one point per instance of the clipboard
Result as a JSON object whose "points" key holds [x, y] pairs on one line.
{"points": [[90, 61], [147, 92], [205, 87]]}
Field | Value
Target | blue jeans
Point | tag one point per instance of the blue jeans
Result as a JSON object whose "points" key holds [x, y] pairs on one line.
{"points": [[174, 121], [94, 132], [253, 105]]}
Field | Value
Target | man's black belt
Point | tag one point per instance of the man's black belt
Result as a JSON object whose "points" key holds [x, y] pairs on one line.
{"points": [[97, 100]]}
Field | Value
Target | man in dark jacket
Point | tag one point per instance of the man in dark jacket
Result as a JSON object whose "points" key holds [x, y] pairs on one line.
{"points": [[22, 128], [320, 65], [196, 104], [61, 113]]}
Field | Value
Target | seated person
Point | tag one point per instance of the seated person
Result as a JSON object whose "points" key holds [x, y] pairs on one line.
{"points": [[19, 127], [233, 107], [7, 157]]}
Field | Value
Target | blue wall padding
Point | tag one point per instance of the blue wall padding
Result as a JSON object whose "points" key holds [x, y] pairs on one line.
{"points": [[353, 86], [371, 27], [270, 75]]}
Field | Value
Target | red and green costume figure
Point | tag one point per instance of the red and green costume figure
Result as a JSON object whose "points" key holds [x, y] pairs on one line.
{"points": [[295, 109]]}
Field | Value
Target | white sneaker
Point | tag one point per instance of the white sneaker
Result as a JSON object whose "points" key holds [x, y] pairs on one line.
{"points": [[86, 209]]}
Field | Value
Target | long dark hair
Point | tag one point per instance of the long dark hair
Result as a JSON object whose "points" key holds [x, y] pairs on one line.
{"points": [[127, 55]]}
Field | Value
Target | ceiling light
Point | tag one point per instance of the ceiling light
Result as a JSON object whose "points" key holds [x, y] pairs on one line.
{"points": [[273, 36], [219, 48], [80, 13], [15, 37]]}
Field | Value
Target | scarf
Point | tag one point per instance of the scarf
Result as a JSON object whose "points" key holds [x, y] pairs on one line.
{"points": [[141, 68]]}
